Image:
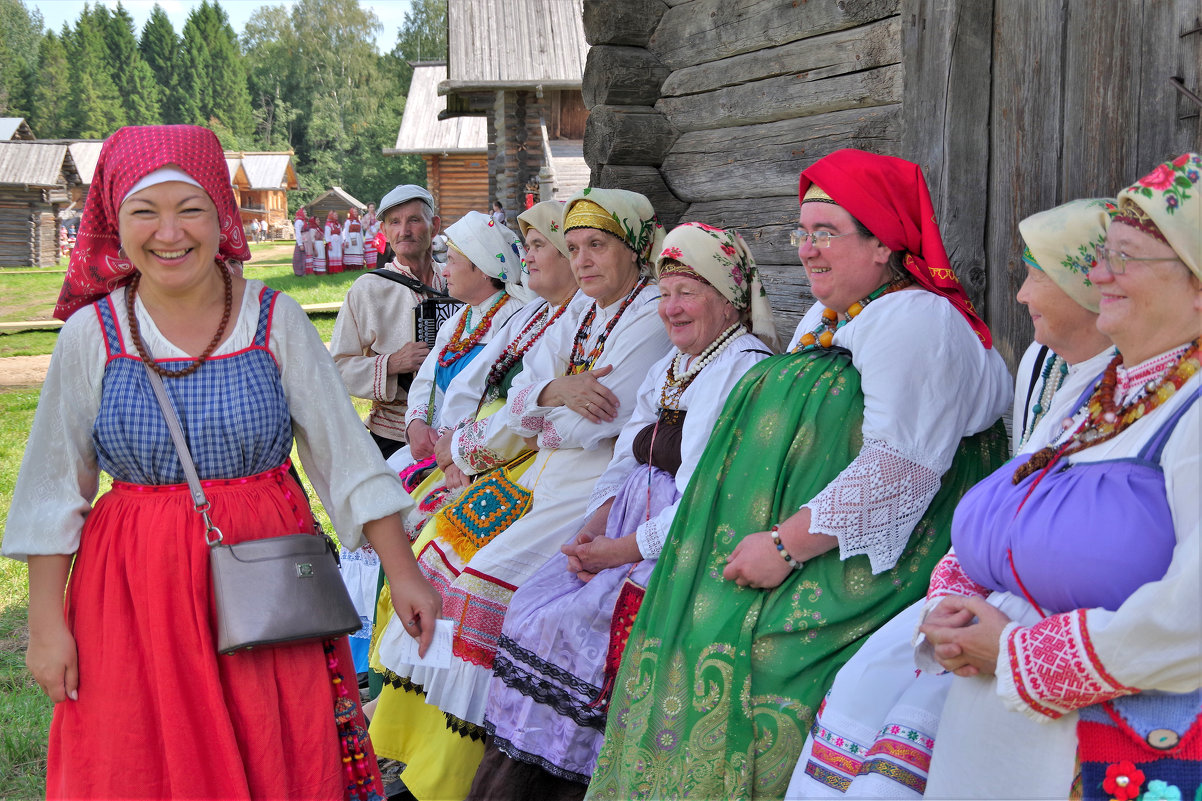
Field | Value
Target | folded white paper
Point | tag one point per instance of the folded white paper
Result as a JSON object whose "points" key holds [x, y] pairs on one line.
{"points": [[398, 650]]}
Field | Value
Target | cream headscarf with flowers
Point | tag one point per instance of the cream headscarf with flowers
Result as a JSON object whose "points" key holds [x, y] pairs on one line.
{"points": [[627, 215], [1061, 242], [494, 249], [546, 218], [721, 258], [1166, 204]]}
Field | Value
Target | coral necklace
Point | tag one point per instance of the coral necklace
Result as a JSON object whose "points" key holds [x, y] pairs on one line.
{"points": [[520, 345], [459, 345], [1105, 419], [824, 335], [135, 332], [579, 361]]}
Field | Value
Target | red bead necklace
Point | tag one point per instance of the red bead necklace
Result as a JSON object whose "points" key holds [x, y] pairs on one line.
{"points": [[459, 345], [520, 345], [579, 361], [1106, 419]]}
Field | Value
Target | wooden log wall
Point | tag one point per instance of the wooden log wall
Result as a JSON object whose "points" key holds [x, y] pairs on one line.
{"points": [[459, 183], [28, 228], [713, 110], [713, 107], [515, 150]]}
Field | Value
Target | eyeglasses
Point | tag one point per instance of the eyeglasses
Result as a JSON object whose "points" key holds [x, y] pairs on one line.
{"points": [[1116, 260], [820, 239]]}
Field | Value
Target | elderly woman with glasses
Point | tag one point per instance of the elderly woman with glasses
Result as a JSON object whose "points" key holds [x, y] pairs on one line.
{"points": [[1077, 639], [821, 503]]}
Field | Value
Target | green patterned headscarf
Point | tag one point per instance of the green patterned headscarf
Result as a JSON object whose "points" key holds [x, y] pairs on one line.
{"points": [[1166, 204], [627, 215], [1061, 243]]}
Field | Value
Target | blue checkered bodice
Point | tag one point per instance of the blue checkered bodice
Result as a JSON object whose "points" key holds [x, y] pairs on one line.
{"points": [[233, 411]]}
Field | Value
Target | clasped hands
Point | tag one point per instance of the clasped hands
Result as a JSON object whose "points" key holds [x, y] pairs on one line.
{"points": [[965, 633]]}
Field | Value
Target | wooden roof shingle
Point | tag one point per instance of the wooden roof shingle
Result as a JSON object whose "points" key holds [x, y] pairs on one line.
{"points": [[498, 44], [37, 164], [422, 131]]}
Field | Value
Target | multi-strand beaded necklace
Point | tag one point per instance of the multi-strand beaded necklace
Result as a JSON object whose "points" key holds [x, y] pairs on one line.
{"points": [[459, 345], [824, 335], [1105, 419], [520, 346], [1055, 370], [678, 380], [579, 361]]}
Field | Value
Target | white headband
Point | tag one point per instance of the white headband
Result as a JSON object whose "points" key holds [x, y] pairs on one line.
{"points": [[161, 176]]}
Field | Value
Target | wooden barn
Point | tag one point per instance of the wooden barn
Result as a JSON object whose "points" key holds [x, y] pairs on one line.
{"points": [[336, 200], [455, 150], [35, 184], [85, 153], [15, 128], [713, 107], [519, 64]]}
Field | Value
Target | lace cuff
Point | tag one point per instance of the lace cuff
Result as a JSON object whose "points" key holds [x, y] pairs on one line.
{"points": [[873, 505], [949, 578], [1050, 668], [602, 492], [650, 539]]}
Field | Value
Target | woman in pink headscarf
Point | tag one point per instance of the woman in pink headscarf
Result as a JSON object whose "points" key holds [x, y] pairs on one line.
{"points": [[121, 616]]}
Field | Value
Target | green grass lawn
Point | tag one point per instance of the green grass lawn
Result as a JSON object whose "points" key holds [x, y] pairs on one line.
{"points": [[30, 295]]}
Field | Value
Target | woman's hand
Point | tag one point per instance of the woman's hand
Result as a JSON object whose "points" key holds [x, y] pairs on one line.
{"points": [[756, 563], [961, 646], [421, 439], [454, 478], [53, 661], [442, 451], [583, 394], [415, 601], [602, 553]]}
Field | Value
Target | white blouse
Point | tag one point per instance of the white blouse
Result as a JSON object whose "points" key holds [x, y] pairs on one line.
{"points": [[637, 341], [59, 474], [425, 397], [927, 384], [703, 399]]}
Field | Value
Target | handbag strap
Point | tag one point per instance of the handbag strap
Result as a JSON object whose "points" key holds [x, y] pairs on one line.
{"points": [[213, 534]]}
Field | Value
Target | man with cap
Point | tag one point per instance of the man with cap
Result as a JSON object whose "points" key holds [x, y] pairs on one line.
{"points": [[374, 342]]}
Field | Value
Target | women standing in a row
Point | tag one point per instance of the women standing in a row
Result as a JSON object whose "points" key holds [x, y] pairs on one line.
{"points": [[352, 241], [830, 483]]}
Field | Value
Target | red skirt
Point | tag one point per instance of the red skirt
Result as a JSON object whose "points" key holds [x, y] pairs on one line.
{"points": [[160, 714]]}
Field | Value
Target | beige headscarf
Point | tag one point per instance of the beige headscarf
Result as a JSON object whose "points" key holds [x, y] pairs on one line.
{"points": [[721, 258], [627, 215], [1167, 204], [1061, 241], [546, 218], [494, 249]]}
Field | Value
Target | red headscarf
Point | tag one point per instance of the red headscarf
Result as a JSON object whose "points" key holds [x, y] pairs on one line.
{"points": [[300, 214], [890, 197], [97, 267]]}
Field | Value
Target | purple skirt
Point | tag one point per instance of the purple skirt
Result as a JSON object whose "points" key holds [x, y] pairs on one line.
{"points": [[550, 664]]}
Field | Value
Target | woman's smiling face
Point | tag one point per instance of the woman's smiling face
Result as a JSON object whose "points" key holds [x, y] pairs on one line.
{"points": [[170, 233], [851, 267]]}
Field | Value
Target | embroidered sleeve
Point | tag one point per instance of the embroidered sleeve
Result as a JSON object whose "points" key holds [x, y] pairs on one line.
{"points": [[1051, 668], [873, 505], [526, 417], [949, 578], [418, 412], [650, 538], [470, 451]]}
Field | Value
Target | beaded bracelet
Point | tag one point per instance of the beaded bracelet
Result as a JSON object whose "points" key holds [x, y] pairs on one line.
{"points": [[780, 548]]}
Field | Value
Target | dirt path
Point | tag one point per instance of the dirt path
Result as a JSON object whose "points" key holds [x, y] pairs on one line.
{"points": [[23, 371]]}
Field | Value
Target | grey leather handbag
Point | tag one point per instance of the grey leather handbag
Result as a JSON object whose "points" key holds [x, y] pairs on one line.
{"points": [[269, 590]]}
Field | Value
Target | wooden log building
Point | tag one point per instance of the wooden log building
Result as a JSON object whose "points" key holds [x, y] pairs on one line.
{"points": [[713, 107], [261, 182], [35, 184], [337, 200], [455, 149], [519, 64]]}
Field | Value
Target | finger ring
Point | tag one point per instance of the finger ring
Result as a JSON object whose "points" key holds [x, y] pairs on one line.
{"points": [[588, 406], [410, 622]]}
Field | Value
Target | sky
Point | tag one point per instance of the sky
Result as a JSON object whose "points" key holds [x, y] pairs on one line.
{"points": [[56, 12]]}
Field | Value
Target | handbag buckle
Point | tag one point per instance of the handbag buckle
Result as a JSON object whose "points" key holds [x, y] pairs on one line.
{"points": [[304, 569], [213, 535]]}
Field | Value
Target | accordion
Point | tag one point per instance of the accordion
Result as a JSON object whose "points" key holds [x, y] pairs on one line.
{"points": [[431, 313]]}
